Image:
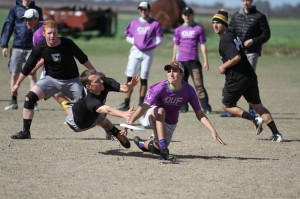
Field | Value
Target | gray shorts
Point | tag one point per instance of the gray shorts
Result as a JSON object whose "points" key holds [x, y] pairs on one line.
{"points": [[71, 88], [75, 128], [17, 58], [147, 122], [253, 58]]}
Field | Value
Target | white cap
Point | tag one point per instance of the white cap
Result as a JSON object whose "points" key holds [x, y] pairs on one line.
{"points": [[30, 13], [144, 5]]}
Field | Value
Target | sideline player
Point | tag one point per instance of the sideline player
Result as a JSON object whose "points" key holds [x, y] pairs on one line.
{"points": [[187, 38], [21, 45], [145, 34], [252, 27]]}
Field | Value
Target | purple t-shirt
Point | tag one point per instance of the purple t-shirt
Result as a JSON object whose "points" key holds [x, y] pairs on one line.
{"points": [[144, 33], [188, 37], [38, 34], [161, 95]]}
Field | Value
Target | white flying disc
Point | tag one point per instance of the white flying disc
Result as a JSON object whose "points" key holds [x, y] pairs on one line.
{"points": [[132, 127]]}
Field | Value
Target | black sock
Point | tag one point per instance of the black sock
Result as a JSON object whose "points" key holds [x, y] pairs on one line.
{"points": [[14, 99], [114, 131], [127, 101], [27, 124], [247, 116], [141, 99], [273, 128]]}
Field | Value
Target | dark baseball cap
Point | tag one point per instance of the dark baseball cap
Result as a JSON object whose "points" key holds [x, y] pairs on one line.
{"points": [[187, 10]]}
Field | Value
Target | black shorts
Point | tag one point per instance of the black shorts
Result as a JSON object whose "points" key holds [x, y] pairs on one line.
{"points": [[235, 88]]}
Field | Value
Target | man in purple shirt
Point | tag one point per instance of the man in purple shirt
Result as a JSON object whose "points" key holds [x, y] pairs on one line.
{"points": [[160, 110], [145, 34], [187, 38]]}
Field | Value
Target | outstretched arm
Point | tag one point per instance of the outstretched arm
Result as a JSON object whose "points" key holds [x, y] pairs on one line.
{"points": [[115, 112], [205, 121], [141, 110], [128, 86]]}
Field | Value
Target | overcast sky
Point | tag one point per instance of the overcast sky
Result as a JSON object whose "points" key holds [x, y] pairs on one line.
{"points": [[237, 3]]}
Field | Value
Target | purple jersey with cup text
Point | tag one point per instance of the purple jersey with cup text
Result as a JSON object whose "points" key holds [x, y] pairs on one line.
{"points": [[161, 95], [187, 37], [144, 33]]}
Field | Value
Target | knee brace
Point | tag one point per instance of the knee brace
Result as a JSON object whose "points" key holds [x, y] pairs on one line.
{"points": [[30, 100], [152, 148], [129, 79], [144, 82]]}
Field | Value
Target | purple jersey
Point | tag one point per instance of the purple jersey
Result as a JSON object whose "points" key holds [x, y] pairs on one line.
{"points": [[161, 95], [144, 33], [38, 34], [187, 37]]}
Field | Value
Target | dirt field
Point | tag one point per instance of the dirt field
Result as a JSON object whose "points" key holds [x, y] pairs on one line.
{"points": [[57, 163]]}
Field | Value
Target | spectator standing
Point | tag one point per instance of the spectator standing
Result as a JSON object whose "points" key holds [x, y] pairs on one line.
{"points": [[21, 45], [187, 38], [145, 34]]}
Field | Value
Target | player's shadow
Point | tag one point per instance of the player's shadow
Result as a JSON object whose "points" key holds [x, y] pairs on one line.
{"points": [[180, 158]]}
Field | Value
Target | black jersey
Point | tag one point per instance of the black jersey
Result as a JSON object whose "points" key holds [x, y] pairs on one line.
{"points": [[84, 110], [229, 47], [59, 61]]}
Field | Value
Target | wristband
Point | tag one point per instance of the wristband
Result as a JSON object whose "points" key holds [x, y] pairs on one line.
{"points": [[163, 143]]}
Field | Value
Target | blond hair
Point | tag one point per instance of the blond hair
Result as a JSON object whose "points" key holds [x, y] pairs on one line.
{"points": [[49, 24]]}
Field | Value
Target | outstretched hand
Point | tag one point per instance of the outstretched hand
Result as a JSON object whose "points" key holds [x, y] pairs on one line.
{"points": [[135, 79], [216, 137], [128, 114]]}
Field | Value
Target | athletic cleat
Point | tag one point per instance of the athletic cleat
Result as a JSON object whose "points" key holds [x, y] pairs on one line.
{"points": [[258, 125], [226, 114], [277, 138], [184, 108], [137, 141], [109, 136], [164, 154], [123, 140], [122, 107], [22, 135], [11, 106]]}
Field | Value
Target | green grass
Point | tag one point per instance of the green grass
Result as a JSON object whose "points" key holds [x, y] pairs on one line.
{"points": [[284, 39]]}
